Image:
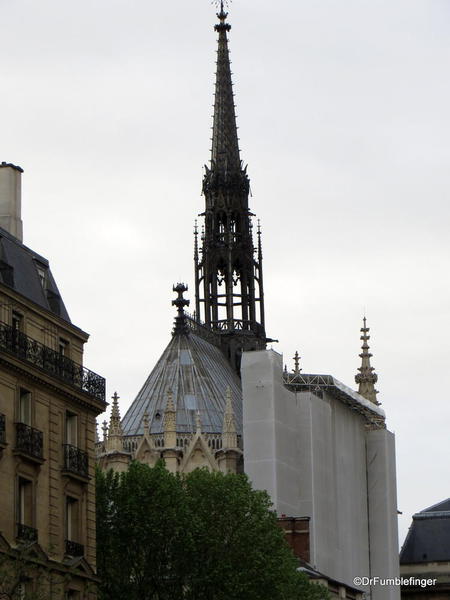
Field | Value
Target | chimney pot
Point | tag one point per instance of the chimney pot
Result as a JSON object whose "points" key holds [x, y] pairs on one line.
{"points": [[10, 199]]}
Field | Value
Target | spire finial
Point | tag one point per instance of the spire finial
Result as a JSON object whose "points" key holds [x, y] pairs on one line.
{"points": [[296, 358], [222, 15], [114, 419], [180, 325], [366, 378], [105, 430]]}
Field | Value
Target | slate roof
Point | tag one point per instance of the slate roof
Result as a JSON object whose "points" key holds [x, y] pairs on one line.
{"points": [[198, 374], [428, 538], [19, 270]]}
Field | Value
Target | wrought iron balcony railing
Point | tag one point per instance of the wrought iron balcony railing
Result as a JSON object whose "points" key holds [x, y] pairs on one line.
{"points": [[29, 441], [74, 549], [2, 430], [50, 361], [75, 460], [25, 533]]}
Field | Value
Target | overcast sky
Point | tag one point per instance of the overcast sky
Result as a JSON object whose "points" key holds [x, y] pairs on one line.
{"points": [[343, 114]]}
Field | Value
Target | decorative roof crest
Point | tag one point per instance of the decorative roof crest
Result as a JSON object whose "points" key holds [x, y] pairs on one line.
{"points": [[296, 358], [180, 325]]}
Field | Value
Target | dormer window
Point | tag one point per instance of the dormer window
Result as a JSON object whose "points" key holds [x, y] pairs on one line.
{"points": [[42, 272]]}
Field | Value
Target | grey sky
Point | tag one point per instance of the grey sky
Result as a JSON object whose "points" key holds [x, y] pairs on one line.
{"points": [[344, 122]]}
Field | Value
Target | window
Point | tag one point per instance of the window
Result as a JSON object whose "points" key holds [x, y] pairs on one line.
{"points": [[73, 595], [71, 429], [25, 406], [63, 347], [72, 519], [42, 272], [17, 321], [25, 502]]}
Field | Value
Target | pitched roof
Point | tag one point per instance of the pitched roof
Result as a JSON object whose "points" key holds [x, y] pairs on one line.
{"points": [[198, 374], [29, 274], [428, 538]]}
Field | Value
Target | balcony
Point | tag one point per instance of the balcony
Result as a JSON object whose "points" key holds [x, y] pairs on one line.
{"points": [[25, 533], [74, 549], [75, 461], [29, 442], [51, 362]]}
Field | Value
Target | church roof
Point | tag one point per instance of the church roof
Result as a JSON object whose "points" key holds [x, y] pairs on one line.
{"points": [[198, 373], [428, 538]]}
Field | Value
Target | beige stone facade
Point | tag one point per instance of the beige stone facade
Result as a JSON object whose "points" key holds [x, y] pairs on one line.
{"points": [[47, 494], [48, 406]]}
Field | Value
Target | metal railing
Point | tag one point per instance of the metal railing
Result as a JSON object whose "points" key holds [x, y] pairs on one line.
{"points": [[29, 441], [202, 330], [238, 325], [25, 533], [75, 460], [74, 549], [50, 361]]}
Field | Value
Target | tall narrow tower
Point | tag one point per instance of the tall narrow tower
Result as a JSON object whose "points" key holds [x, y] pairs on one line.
{"points": [[228, 267]]}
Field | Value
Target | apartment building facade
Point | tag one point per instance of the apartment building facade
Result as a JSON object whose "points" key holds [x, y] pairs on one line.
{"points": [[48, 405]]}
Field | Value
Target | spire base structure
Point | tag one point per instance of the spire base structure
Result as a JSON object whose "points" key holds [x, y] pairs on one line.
{"points": [[228, 266]]}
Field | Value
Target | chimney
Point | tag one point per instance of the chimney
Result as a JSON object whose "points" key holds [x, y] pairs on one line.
{"points": [[10, 199]]}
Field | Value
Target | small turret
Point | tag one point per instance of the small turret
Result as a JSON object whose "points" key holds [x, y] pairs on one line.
{"points": [[228, 456], [114, 440], [229, 435], [366, 378], [115, 456], [170, 452], [170, 424]]}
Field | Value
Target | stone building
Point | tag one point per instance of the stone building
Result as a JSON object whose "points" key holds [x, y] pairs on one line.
{"points": [[425, 555], [48, 405], [195, 387], [218, 399]]}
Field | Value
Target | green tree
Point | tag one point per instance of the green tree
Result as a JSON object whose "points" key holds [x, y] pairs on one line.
{"points": [[203, 536]]}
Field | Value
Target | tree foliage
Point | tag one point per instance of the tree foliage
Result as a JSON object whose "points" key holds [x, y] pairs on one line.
{"points": [[203, 536]]}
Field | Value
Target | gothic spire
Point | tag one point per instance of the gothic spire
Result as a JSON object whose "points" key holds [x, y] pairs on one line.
{"points": [[114, 419], [229, 294], [115, 433], [366, 378], [225, 146]]}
